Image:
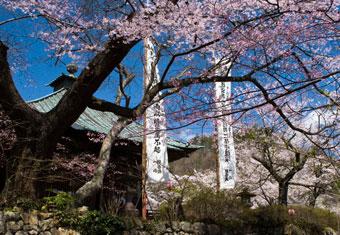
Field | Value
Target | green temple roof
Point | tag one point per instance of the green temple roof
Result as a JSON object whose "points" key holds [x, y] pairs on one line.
{"points": [[101, 122]]}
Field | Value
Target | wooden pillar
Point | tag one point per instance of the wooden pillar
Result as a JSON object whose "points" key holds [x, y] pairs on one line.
{"points": [[144, 162], [217, 172]]}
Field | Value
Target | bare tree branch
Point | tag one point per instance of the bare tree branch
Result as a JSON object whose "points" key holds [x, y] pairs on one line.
{"points": [[125, 77]]}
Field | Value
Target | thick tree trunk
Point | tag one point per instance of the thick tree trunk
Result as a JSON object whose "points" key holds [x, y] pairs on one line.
{"points": [[22, 173], [3, 178], [40, 131], [30, 129], [312, 201], [283, 193], [96, 183], [26, 163], [316, 192]]}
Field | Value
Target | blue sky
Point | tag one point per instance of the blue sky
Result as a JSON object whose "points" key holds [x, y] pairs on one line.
{"points": [[37, 69], [32, 81]]}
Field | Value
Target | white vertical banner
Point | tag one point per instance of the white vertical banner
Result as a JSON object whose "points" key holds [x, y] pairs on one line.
{"points": [[225, 140], [157, 166]]}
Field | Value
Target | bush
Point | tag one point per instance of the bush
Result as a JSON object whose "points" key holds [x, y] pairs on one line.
{"points": [[171, 210], [312, 221], [213, 207], [93, 222], [61, 201], [69, 218], [100, 224], [269, 219], [28, 204], [224, 209]]}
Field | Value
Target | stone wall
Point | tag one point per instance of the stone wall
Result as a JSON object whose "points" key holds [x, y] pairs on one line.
{"points": [[187, 228], [18, 222], [179, 228]]}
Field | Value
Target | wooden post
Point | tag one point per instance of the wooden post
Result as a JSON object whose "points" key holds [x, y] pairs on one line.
{"points": [[217, 171], [144, 162]]}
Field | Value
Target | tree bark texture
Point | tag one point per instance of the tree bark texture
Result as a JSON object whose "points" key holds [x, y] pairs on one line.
{"points": [[96, 183], [22, 174], [38, 133], [283, 193]]}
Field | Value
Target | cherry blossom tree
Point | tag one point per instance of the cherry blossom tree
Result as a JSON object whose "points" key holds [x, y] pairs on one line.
{"points": [[281, 53], [317, 178], [278, 172]]}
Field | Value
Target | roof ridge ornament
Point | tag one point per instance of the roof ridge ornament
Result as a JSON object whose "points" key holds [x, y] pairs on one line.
{"points": [[72, 68]]}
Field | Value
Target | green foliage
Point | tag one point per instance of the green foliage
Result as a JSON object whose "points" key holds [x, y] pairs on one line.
{"points": [[307, 220], [168, 210], [93, 222], [27, 204], [291, 229], [269, 219], [69, 218], [224, 209], [150, 226], [314, 220], [100, 224], [172, 210], [61, 201], [209, 206], [336, 187]]}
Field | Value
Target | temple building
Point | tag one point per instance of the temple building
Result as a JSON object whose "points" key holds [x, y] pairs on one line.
{"points": [[75, 157]]}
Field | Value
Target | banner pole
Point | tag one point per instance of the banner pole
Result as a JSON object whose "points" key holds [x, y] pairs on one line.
{"points": [[144, 150], [218, 186], [144, 164]]}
